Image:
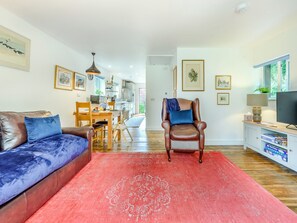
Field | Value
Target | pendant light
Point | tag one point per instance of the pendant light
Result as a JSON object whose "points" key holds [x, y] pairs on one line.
{"points": [[92, 70]]}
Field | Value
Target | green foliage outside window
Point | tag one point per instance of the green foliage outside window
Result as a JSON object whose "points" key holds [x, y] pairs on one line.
{"points": [[141, 108], [276, 77]]}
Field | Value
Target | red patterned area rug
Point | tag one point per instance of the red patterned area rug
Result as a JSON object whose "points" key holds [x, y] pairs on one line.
{"points": [[145, 187]]}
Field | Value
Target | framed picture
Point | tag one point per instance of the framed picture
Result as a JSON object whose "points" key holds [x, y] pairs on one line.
{"points": [[223, 99], [63, 78], [175, 82], [193, 75], [80, 81], [223, 82], [14, 50]]}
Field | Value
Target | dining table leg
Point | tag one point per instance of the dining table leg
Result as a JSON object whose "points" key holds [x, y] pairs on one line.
{"points": [[109, 132], [119, 133]]}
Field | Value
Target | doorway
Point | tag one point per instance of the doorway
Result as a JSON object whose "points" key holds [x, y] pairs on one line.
{"points": [[142, 98]]}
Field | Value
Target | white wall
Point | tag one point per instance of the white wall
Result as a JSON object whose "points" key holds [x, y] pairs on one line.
{"points": [[158, 86], [224, 121], [34, 90], [278, 42]]}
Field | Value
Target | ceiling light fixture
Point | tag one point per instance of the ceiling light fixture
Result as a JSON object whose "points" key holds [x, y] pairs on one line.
{"points": [[240, 8], [92, 70]]}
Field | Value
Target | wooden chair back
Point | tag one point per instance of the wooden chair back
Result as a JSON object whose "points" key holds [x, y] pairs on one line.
{"points": [[83, 113], [111, 105]]}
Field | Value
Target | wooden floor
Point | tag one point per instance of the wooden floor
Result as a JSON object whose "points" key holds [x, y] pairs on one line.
{"points": [[278, 180]]}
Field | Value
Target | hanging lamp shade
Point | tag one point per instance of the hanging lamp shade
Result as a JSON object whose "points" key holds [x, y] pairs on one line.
{"points": [[93, 69]]}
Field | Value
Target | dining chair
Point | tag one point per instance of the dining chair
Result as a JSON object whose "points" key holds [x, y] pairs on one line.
{"points": [[111, 105], [120, 127], [84, 117]]}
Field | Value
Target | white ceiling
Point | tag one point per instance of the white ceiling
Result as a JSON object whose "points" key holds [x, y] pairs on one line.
{"points": [[124, 32]]}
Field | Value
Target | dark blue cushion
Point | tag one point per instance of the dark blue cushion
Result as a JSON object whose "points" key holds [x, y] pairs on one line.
{"points": [[42, 127], [181, 117]]}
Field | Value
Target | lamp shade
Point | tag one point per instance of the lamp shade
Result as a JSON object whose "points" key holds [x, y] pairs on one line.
{"points": [[257, 100], [93, 69]]}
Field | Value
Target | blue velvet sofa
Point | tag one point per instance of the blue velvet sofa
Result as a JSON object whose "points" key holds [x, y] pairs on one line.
{"points": [[32, 172]]}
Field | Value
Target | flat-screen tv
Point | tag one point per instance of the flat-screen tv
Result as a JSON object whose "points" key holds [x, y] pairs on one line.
{"points": [[286, 107], [95, 99]]}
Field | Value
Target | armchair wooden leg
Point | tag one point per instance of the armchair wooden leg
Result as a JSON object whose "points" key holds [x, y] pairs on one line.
{"points": [[168, 154], [200, 156]]}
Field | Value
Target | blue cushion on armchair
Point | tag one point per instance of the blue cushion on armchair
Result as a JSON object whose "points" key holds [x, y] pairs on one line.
{"points": [[181, 117], [42, 127]]}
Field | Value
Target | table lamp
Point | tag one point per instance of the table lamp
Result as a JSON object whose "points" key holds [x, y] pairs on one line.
{"points": [[257, 101]]}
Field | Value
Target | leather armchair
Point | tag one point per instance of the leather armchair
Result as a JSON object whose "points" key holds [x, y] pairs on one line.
{"points": [[184, 137]]}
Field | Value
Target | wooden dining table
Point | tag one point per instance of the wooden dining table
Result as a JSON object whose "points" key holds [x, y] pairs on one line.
{"points": [[109, 116]]}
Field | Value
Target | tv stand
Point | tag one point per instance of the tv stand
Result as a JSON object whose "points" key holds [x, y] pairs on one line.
{"points": [[277, 142]]}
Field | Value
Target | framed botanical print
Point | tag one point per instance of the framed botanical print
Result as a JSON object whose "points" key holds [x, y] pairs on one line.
{"points": [[193, 75], [223, 82], [80, 81], [223, 98], [63, 78]]}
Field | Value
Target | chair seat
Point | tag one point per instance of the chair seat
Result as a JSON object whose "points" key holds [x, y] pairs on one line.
{"points": [[102, 122], [184, 132], [97, 125]]}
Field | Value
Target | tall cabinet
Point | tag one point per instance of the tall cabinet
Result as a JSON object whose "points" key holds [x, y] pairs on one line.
{"points": [[273, 141]]}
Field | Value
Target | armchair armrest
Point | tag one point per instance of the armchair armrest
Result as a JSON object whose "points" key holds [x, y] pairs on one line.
{"points": [[200, 125], [166, 127], [85, 132]]}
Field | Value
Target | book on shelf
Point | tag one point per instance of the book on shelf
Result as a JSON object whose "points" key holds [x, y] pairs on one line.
{"points": [[277, 152], [275, 138]]}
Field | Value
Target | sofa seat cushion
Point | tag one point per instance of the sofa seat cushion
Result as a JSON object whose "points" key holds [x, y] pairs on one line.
{"points": [[24, 166], [184, 132]]}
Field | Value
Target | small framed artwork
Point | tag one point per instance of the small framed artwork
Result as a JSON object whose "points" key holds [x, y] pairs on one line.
{"points": [[223, 99], [80, 81], [193, 75], [14, 50], [223, 82], [63, 78]]}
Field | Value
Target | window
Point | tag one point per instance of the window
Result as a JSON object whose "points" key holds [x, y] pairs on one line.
{"points": [[99, 86], [276, 75]]}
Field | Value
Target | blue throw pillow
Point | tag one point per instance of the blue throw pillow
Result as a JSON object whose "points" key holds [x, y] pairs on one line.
{"points": [[42, 127], [181, 117]]}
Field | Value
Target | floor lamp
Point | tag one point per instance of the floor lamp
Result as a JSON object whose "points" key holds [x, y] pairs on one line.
{"points": [[257, 101]]}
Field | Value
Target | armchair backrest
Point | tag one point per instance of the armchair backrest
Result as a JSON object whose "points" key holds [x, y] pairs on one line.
{"points": [[184, 104]]}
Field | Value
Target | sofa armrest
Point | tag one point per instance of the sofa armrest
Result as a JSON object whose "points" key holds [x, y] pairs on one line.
{"points": [[85, 132], [200, 125], [166, 127]]}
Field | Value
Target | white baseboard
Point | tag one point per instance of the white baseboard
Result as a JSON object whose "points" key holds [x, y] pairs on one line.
{"points": [[223, 142], [154, 129]]}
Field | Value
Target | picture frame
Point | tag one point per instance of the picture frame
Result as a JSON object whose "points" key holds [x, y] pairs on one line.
{"points": [[192, 75], [80, 82], [63, 78], [14, 50], [174, 72], [223, 82], [223, 98]]}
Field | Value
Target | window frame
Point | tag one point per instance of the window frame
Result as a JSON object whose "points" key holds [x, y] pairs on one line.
{"points": [[99, 83], [278, 62]]}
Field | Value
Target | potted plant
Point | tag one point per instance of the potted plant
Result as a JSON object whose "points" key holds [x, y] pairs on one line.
{"points": [[262, 90]]}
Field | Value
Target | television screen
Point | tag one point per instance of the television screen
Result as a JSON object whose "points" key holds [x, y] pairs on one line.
{"points": [[286, 107], [95, 99]]}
